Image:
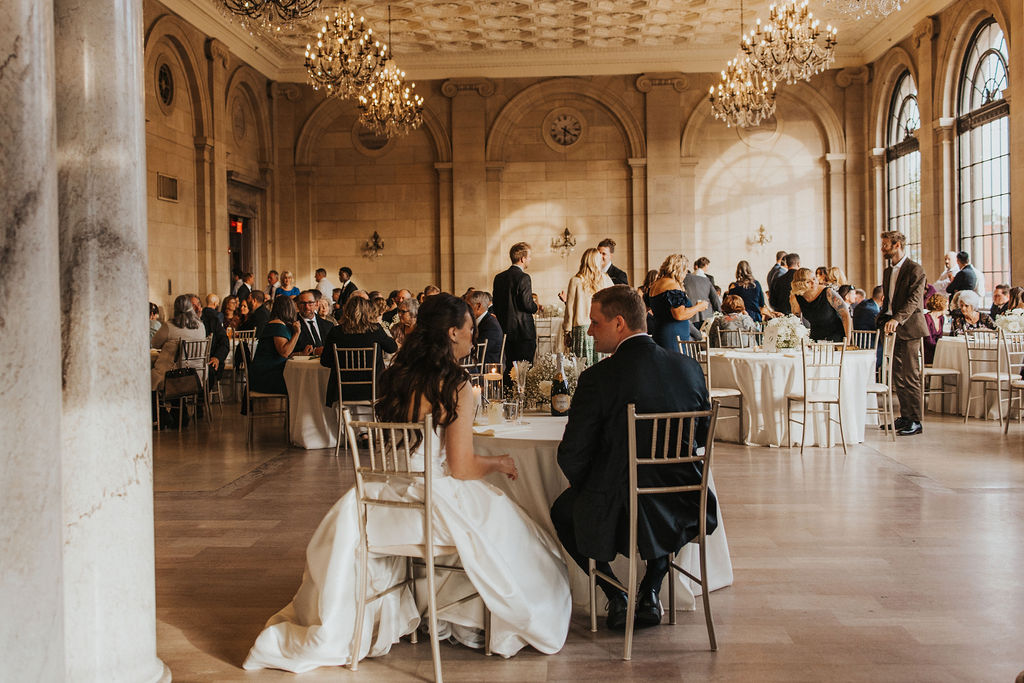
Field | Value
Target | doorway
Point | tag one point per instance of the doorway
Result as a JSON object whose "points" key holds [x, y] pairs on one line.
{"points": [[240, 245]]}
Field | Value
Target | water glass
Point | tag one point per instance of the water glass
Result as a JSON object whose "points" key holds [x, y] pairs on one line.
{"points": [[510, 411]]}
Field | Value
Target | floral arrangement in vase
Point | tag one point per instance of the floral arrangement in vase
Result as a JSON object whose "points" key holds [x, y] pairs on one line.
{"points": [[1011, 322], [542, 374], [784, 333]]}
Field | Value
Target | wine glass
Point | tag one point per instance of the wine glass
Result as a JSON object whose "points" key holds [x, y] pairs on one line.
{"points": [[522, 368]]}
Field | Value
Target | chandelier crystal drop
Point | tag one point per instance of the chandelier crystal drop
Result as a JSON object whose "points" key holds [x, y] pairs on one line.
{"points": [[744, 97], [791, 47], [866, 8], [345, 56], [390, 105], [270, 15]]}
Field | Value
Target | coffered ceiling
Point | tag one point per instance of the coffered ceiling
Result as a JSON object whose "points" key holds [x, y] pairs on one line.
{"points": [[438, 39]]}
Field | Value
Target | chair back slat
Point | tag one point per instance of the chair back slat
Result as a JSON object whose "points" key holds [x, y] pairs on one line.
{"points": [[731, 339], [699, 351], [982, 350], [888, 349], [865, 339], [388, 453], [474, 362], [822, 365], [1012, 362], [671, 452], [195, 354], [350, 368]]}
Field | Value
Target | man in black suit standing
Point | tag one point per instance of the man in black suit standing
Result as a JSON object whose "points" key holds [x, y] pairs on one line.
{"points": [[245, 288], [487, 326], [966, 279], [591, 516], [312, 328], [778, 269], [514, 306], [347, 286], [782, 286], [606, 248]]}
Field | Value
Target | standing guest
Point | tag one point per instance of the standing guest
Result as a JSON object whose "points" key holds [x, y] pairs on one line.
{"points": [[936, 321], [514, 306], [184, 325], [323, 285], [782, 286], [487, 325], [1000, 300], [277, 342], [700, 286], [272, 284], [649, 279], [821, 306], [970, 318], [901, 315], [821, 275], [245, 288], [835, 277], [358, 330], [733, 321], [606, 248], [592, 515], [287, 286], [671, 310], [588, 280], [348, 288], [430, 290], [259, 313], [312, 328], [952, 268], [230, 314], [236, 281], [336, 303], [778, 269], [406, 320], [401, 296], [1016, 299], [966, 278], [154, 320], [865, 313], [749, 290]]}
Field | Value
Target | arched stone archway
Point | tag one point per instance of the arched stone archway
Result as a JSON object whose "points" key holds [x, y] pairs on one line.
{"points": [[172, 30], [247, 82]]}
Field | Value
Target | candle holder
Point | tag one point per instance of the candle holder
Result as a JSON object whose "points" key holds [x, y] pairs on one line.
{"points": [[492, 388]]}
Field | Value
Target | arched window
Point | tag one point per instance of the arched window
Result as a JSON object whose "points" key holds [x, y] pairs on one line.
{"points": [[903, 164], [983, 155]]}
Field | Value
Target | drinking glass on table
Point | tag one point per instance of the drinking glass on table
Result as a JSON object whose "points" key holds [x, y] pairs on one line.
{"points": [[510, 411]]}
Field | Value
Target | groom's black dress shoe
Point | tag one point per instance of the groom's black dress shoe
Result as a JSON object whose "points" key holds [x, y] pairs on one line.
{"points": [[910, 429], [899, 423], [648, 609], [617, 612]]}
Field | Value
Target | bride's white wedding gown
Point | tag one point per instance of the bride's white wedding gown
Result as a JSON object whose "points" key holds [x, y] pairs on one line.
{"points": [[512, 563]]}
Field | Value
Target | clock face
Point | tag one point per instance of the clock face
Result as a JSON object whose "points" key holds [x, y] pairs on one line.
{"points": [[565, 129]]}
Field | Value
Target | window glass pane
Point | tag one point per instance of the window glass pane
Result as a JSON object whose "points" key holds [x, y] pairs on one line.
{"points": [[904, 166]]}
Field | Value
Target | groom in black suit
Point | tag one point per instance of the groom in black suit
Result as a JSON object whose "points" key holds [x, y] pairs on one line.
{"points": [[591, 516], [514, 306]]}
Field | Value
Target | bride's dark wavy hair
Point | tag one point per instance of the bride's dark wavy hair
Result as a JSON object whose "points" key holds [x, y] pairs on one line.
{"points": [[425, 366]]}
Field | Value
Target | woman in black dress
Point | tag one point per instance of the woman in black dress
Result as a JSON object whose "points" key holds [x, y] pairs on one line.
{"points": [[820, 306]]}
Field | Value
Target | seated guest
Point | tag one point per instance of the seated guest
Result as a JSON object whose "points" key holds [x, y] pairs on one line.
{"points": [[590, 516], [733, 321], [970, 317], [380, 304], [845, 293], [357, 329], [1000, 300], [935, 318], [866, 311], [749, 289], [782, 286], [821, 275], [312, 328], [276, 343], [259, 312], [184, 325], [406, 321], [402, 295], [229, 312], [325, 311], [487, 325], [287, 286], [220, 345], [154, 320], [820, 306], [213, 304], [858, 296], [1016, 299], [835, 277], [430, 290]]}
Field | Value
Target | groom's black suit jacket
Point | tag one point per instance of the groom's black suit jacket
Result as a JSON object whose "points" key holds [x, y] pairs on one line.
{"points": [[594, 453]]}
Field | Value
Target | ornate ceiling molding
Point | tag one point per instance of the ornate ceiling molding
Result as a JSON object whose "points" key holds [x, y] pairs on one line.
{"points": [[484, 87], [647, 82]]}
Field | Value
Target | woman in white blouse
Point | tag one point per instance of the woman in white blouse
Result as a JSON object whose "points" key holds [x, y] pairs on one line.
{"points": [[582, 286]]}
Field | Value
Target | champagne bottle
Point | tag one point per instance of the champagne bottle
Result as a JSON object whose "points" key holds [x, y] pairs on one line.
{"points": [[560, 391]]}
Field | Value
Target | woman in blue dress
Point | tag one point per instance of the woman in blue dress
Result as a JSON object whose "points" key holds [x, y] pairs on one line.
{"points": [[670, 310], [749, 289], [287, 286], [277, 342]]}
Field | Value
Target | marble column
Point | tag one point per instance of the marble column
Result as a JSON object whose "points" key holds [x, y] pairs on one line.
{"points": [[874, 257], [109, 601], [854, 82], [924, 36], [215, 277], [31, 520], [946, 170], [1015, 46]]}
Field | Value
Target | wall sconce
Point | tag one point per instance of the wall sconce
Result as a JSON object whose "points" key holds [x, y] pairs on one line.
{"points": [[565, 244], [373, 247], [761, 237]]}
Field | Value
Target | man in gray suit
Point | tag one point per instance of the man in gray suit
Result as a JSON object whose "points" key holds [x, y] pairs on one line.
{"points": [[700, 286]]}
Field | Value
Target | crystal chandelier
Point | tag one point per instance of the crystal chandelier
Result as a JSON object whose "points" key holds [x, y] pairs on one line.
{"points": [[390, 105], [271, 14], [345, 57], [866, 8], [791, 47], [743, 97]]}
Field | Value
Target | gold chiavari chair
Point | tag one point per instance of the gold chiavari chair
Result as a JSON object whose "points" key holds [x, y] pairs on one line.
{"points": [[700, 352], [822, 368]]}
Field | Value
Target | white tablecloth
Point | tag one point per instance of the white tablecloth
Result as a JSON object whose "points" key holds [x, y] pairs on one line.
{"points": [[764, 379], [951, 352], [534, 447], [311, 423]]}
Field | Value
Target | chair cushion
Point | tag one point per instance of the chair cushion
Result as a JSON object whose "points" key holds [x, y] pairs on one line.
{"points": [[412, 550], [878, 388], [990, 377], [719, 392], [940, 371], [815, 397]]}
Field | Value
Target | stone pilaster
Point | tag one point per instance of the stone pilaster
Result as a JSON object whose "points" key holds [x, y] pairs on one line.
{"points": [[216, 275], [925, 32], [638, 235], [445, 224], [31, 518], [874, 258], [835, 192], [854, 81], [945, 169], [1016, 77], [110, 615]]}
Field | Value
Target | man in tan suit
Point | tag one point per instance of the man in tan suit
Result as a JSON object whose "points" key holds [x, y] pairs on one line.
{"points": [[901, 314]]}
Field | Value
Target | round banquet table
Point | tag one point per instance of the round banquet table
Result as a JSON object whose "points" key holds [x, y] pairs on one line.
{"points": [[951, 352], [534, 445], [765, 379], [311, 423]]}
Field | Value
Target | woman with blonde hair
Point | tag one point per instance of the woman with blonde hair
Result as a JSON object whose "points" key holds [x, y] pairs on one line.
{"points": [[836, 278], [670, 308], [821, 306], [359, 328], [287, 286], [588, 280]]}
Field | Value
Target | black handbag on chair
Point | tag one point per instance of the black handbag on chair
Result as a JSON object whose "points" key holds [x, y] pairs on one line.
{"points": [[181, 382]]}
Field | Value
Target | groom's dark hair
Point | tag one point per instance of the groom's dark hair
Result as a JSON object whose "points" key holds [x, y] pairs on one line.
{"points": [[625, 301]]}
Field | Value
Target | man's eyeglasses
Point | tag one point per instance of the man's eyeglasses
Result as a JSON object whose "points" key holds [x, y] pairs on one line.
{"points": [[307, 303]]}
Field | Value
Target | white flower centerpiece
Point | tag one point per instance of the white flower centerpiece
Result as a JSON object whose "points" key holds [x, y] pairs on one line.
{"points": [[542, 374], [784, 333], [1011, 322]]}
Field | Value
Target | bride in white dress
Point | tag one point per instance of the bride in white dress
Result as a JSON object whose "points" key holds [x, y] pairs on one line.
{"points": [[515, 566]]}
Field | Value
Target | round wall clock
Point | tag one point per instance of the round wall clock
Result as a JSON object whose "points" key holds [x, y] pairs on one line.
{"points": [[563, 128]]}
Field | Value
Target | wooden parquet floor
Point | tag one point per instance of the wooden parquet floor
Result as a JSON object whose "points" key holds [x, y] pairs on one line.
{"points": [[899, 562]]}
